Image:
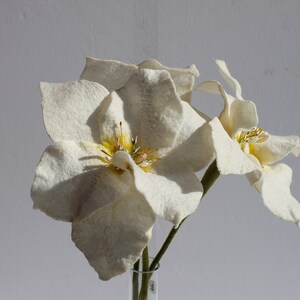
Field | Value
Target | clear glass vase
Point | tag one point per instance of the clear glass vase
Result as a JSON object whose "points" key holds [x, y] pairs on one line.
{"points": [[143, 285]]}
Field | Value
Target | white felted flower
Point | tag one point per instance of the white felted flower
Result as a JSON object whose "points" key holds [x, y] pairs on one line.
{"points": [[243, 148], [114, 74], [119, 159]]}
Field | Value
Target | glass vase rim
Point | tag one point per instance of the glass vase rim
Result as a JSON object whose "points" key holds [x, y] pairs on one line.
{"points": [[147, 272]]}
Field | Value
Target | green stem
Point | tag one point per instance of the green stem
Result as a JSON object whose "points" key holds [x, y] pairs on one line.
{"points": [[145, 276], [145, 260], [135, 281], [208, 179], [211, 175]]}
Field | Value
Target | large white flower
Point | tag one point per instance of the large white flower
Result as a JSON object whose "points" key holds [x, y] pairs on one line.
{"points": [[119, 159], [243, 148]]}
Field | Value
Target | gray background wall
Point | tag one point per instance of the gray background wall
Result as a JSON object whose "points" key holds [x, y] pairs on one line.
{"points": [[232, 247]]}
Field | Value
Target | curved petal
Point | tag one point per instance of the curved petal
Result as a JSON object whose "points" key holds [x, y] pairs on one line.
{"points": [[109, 122], [152, 108], [274, 187], [275, 148], [296, 150], [243, 115], [114, 236], [183, 78], [233, 83], [179, 188], [110, 73], [230, 158], [173, 192], [210, 86], [195, 152], [114, 74], [237, 113], [192, 120], [242, 112], [71, 181], [214, 87], [70, 109]]}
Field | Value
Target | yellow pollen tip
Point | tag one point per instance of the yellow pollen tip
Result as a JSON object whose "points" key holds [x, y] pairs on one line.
{"points": [[122, 141], [255, 135]]}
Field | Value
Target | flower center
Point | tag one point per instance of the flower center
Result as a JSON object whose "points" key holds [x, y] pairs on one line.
{"points": [[253, 136], [122, 141]]}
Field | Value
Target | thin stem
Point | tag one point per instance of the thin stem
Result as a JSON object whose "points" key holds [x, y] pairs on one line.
{"points": [[145, 260], [208, 179], [164, 247], [145, 276], [135, 281], [211, 175]]}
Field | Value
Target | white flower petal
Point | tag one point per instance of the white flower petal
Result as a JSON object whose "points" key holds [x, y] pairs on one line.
{"points": [[173, 193], [179, 191], [275, 148], [237, 114], [183, 78], [70, 109], [152, 108], [214, 87], [192, 120], [234, 84], [114, 74], [230, 158], [274, 187], [195, 152], [210, 86], [110, 73], [114, 236], [243, 115], [109, 122], [71, 181], [296, 150]]}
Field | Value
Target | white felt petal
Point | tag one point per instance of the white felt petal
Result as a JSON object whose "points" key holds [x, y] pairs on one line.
{"points": [[230, 158], [226, 117], [234, 84], [70, 109], [254, 176], [192, 120], [209, 86], [196, 151], [113, 237], [274, 187], [243, 115], [110, 73], [71, 181], [173, 192], [237, 113], [152, 108], [109, 122], [183, 78], [296, 150], [214, 87], [275, 148]]}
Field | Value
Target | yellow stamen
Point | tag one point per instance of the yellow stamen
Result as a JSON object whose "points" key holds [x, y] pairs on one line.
{"points": [[143, 158], [255, 135]]}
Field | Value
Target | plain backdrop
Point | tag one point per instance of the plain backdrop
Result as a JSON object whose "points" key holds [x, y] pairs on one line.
{"points": [[232, 247]]}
